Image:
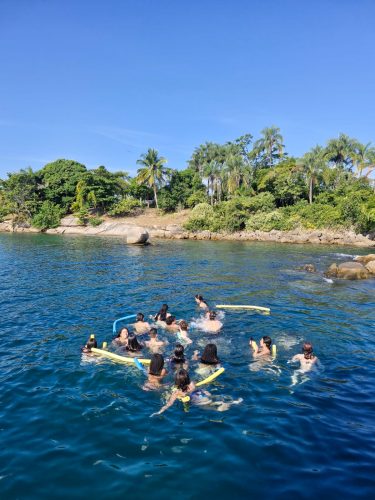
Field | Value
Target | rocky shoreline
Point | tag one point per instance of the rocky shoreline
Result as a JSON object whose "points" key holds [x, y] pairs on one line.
{"points": [[136, 234]]}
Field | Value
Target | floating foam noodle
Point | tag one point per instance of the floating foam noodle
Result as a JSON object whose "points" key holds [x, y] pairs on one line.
{"points": [[117, 357], [254, 308], [130, 316]]}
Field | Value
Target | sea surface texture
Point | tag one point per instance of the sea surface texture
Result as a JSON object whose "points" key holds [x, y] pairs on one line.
{"points": [[75, 426]]}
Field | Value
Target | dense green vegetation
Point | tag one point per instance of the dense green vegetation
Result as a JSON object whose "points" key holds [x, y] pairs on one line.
{"points": [[242, 184]]}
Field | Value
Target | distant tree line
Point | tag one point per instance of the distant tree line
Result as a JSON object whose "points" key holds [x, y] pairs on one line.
{"points": [[242, 184]]}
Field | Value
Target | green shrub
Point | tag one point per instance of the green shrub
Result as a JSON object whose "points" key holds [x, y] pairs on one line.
{"points": [[196, 198], [126, 206], [263, 202], [95, 221], [200, 218], [48, 216], [83, 216], [272, 220]]}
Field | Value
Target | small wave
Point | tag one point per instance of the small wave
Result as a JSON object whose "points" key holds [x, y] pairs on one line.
{"points": [[328, 280], [344, 255]]}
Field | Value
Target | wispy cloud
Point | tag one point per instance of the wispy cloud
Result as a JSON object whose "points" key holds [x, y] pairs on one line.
{"points": [[128, 137]]}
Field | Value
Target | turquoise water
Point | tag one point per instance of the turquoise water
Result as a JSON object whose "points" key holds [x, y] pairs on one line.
{"points": [[74, 429]]}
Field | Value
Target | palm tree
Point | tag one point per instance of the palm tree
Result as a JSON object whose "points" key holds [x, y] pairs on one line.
{"points": [[152, 172], [270, 145], [364, 158], [313, 164], [341, 151]]}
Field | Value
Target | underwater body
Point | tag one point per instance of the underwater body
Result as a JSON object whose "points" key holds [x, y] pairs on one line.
{"points": [[78, 426]]}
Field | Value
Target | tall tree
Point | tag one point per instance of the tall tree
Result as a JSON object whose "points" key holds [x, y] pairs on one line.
{"points": [[340, 152], [364, 159], [152, 172], [313, 164], [270, 148]]}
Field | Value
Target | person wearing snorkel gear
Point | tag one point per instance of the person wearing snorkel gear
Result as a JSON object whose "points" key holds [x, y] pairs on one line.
{"points": [[264, 348], [307, 359], [211, 324]]}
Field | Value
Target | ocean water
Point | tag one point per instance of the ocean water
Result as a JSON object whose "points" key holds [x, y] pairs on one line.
{"points": [[80, 427]]}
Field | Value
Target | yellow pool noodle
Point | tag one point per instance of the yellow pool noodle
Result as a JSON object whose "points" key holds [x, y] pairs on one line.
{"points": [[211, 377], [255, 308], [117, 357]]}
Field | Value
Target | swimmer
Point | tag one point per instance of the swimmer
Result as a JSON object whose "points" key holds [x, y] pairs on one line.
{"points": [[178, 357], [209, 356], [308, 361], [185, 387], [182, 333], [133, 347], [156, 372], [171, 324], [154, 344], [89, 344], [211, 324], [141, 326], [201, 302], [122, 337], [264, 348], [163, 314]]}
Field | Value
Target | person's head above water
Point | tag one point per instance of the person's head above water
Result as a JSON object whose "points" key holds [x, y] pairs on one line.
{"points": [[162, 314], [267, 341], [140, 317], [182, 380], [212, 315], [199, 298], [209, 356], [133, 344], [91, 342], [170, 320], [179, 354], [123, 333], [183, 325], [153, 333], [307, 350], [156, 365]]}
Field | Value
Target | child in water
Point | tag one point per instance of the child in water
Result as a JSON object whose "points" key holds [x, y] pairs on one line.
{"points": [[185, 387], [264, 348], [156, 372], [211, 324], [89, 344], [182, 333], [209, 356], [122, 337], [163, 314], [133, 347], [308, 361], [154, 344], [141, 326], [201, 302]]}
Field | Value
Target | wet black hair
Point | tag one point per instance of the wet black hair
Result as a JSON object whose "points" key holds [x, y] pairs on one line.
{"points": [[182, 380], [133, 344], [91, 343], [268, 341], [121, 329], [153, 331], [140, 317], [212, 315], [162, 314], [179, 354], [307, 350], [170, 320], [209, 356], [156, 365], [200, 298]]}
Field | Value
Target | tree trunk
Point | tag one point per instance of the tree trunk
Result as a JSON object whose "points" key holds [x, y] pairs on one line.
{"points": [[310, 190], [156, 197]]}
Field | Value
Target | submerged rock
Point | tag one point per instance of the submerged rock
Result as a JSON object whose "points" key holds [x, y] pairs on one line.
{"points": [[370, 266]]}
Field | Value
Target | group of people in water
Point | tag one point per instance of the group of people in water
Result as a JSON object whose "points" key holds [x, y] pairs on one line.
{"points": [[178, 362]]}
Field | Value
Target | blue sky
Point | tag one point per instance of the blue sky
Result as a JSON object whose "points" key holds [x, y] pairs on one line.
{"points": [[102, 81]]}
